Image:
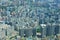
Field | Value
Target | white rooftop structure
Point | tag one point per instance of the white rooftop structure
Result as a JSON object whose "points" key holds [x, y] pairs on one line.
{"points": [[43, 25]]}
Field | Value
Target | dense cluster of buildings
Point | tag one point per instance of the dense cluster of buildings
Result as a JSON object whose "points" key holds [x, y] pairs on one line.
{"points": [[29, 19]]}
